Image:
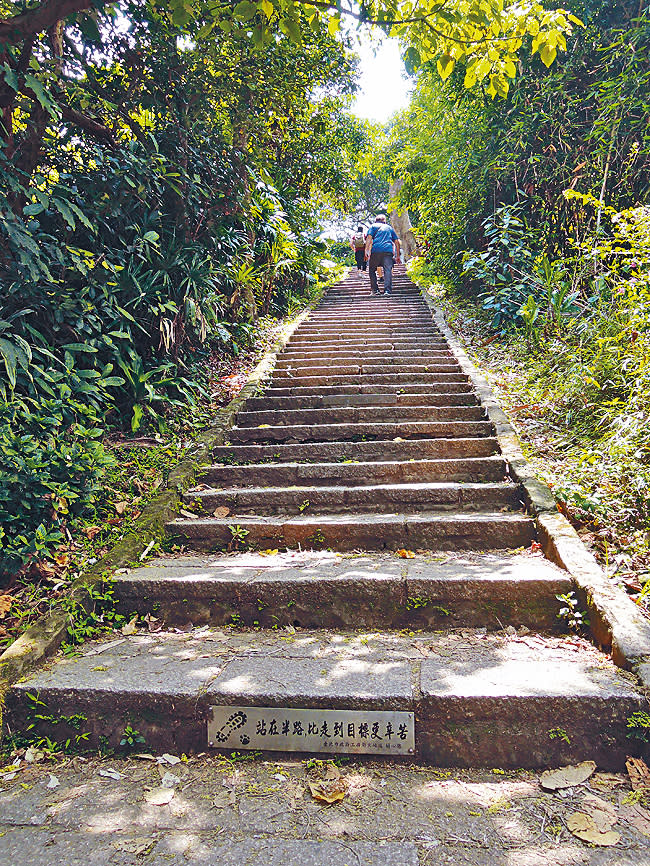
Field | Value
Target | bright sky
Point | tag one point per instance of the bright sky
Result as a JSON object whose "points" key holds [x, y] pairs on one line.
{"points": [[385, 87]]}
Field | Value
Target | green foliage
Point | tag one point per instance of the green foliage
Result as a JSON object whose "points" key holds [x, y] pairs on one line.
{"points": [[131, 739], [638, 725], [94, 617], [153, 201], [50, 469], [570, 612]]}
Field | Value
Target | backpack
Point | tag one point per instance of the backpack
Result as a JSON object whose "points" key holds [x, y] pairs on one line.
{"points": [[358, 239]]}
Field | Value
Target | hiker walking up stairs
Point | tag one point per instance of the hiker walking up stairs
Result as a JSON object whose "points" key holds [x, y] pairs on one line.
{"points": [[364, 489]]}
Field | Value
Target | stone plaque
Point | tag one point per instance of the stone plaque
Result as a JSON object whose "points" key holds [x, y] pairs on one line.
{"points": [[284, 729]]}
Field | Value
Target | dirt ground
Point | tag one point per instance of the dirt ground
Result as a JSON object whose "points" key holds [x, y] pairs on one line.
{"points": [[212, 809]]}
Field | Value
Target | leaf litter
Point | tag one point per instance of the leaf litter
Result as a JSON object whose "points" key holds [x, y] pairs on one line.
{"points": [[584, 827], [159, 796], [567, 777]]}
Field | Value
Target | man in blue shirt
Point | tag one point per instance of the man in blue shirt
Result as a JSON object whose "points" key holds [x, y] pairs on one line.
{"points": [[379, 252]]}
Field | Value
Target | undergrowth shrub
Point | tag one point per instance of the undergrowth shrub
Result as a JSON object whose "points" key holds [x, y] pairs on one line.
{"points": [[48, 473]]}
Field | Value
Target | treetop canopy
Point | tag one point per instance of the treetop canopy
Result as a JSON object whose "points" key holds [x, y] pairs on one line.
{"points": [[486, 35]]}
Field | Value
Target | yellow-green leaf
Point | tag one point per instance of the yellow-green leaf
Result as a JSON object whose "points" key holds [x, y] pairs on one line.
{"points": [[548, 54], [445, 66]]}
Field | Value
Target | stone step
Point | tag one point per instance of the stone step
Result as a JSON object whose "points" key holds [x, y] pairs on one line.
{"points": [[298, 370], [361, 328], [470, 469], [341, 499], [371, 531], [345, 356], [360, 415], [406, 333], [419, 318], [399, 379], [374, 430], [409, 389], [479, 699], [325, 590], [290, 359], [276, 404], [378, 450], [380, 344]]}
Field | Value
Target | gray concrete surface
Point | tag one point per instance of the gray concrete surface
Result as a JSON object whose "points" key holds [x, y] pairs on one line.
{"points": [[261, 813]]}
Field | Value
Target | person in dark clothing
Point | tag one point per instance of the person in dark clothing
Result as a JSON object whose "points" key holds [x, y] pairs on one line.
{"points": [[379, 253], [358, 244]]}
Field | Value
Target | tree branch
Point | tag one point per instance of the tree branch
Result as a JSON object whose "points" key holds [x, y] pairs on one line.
{"points": [[41, 18]]}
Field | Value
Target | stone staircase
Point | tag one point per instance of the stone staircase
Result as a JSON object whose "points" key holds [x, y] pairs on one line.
{"points": [[369, 439]]}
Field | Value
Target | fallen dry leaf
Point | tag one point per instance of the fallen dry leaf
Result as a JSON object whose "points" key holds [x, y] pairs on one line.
{"points": [[170, 780], [111, 774], [5, 605], [567, 777], [330, 791], [332, 772], [62, 559], [159, 796], [405, 554], [120, 507], [33, 755], [153, 622], [270, 552], [221, 511], [583, 827], [607, 781], [91, 531], [189, 514], [172, 760], [131, 627], [639, 773], [602, 812]]}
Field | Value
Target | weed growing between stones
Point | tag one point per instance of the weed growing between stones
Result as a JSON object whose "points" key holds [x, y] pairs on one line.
{"points": [[575, 619], [131, 738], [238, 534], [559, 734], [417, 601], [94, 617], [638, 725], [44, 746]]}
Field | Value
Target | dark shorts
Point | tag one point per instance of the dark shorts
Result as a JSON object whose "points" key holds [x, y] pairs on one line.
{"points": [[360, 256]]}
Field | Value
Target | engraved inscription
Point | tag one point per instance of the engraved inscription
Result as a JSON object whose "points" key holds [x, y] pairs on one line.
{"points": [[297, 730]]}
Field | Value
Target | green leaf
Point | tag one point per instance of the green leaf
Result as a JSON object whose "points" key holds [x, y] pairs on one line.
{"points": [[79, 347], [245, 10], [65, 211], [40, 93], [34, 208], [10, 77], [10, 357], [445, 66], [291, 28], [136, 418]]}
